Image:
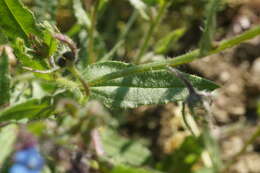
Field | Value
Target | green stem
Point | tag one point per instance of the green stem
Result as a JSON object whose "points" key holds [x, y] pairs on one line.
{"points": [[182, 59], [150, 32], [91, 31], [76, 73], [122, 37]]}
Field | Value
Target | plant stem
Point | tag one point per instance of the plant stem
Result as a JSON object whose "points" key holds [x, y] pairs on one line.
{"points": [[91, 31], [252, 138], [76, 73], [150, 32], [182, 59], [122, 37]]}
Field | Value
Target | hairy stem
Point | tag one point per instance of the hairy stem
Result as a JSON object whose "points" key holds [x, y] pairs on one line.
{"points": [[76, 73], [150, 32], [182, 59]]}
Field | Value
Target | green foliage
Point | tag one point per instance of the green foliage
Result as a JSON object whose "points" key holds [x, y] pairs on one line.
{"points": [[46, 10], [164, 44], [27, 60], [151, 2], [206, 43], [31, 109], [3, 38], [205, 170], [120, 150], [7, 138], [4, 78], [66, 92], [17, 21], [153, 87], [128, 169], [184, 157]]}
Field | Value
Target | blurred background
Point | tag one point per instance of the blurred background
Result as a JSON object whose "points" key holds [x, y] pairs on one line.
{"points": [[236, 104]]}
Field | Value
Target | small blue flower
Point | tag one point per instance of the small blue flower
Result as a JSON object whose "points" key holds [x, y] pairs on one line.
{"points": [[27, 160], [18, 168]]}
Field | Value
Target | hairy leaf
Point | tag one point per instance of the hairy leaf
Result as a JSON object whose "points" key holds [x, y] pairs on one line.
{"points": [[30, 109], [153, 87], [4, 78], [16, 20]]}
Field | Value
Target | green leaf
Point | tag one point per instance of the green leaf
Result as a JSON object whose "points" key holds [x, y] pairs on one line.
{"points": [[182, 159], [30, 109], [7, 138], [205, 170], [4, 79], [3, 39], [167, 42], [153, 87], [206, 43], [27, 60], [128, 169], [151, 2], [123, 150], [48, 38], [16, 20]]}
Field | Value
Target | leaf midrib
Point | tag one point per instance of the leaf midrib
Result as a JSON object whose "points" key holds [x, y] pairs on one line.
{"points": [[125, 86]]}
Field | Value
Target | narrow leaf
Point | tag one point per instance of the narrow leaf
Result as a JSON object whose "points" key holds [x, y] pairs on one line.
{"points": [[4, 78], [206, 43], [16, 20], [168, 41], [31, 109], [153, 87]]}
